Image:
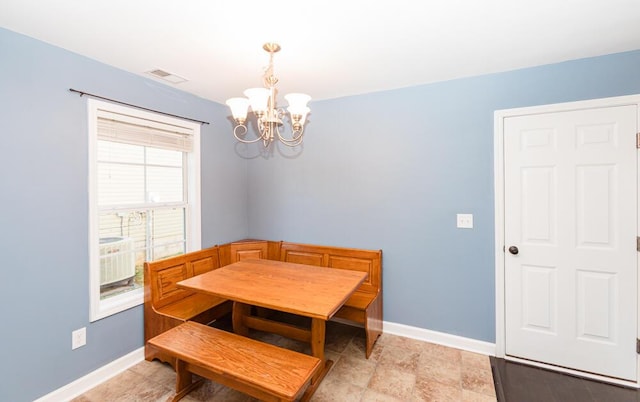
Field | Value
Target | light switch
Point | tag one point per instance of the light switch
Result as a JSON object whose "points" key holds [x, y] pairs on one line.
{"points": [[465, 221]]}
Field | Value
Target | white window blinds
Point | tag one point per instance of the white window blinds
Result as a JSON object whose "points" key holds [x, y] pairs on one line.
{"points": [[133, 130]]}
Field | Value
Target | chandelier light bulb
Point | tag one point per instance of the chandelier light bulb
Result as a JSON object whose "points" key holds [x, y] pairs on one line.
{"points": [[297, 100]]}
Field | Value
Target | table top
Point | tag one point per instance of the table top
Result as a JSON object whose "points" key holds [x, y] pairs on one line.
{"points": [[311, 291]]}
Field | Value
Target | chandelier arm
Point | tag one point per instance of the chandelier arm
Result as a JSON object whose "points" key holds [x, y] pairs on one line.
{"points": [[295, 138], [235, 134], [291, 142]]}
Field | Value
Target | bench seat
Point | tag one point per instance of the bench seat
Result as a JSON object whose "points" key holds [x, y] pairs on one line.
{"points": [[191, 306], [360, 300], [167, 306], [261, 370]]}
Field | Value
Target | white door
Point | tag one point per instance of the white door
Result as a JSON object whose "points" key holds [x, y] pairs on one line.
{"points": [[570, 239]]}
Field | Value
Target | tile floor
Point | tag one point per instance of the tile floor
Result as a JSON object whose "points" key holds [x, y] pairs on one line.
{"points": [[399, 369]]}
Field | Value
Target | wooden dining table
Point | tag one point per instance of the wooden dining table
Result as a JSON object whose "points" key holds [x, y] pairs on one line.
{"points": [[304, 290]]}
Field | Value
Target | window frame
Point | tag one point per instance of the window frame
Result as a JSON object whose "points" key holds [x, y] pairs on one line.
{"points": [[98, 308]]}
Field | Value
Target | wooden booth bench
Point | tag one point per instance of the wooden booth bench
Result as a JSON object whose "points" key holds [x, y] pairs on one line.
{"points": [[264, 371], [166, 306]]}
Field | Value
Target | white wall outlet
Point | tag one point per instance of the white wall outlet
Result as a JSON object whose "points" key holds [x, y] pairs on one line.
{"points": [[78, 338], [465, 221]]}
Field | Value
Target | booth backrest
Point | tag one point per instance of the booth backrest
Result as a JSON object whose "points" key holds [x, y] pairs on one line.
{"points": [[164, 274], [368, 261], [248, 249]]}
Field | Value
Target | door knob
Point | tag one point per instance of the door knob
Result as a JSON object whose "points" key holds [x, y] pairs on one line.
{"points": [[514, 250]]}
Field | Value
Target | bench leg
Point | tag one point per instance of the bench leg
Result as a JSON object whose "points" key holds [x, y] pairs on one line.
{"points": [[184, 383], [373, 324]]}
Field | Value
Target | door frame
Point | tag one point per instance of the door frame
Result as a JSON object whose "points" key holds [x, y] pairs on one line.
{"points": [[498, 155]]}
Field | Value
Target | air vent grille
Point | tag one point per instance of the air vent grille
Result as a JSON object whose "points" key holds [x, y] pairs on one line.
{"points": [[166, 76], [160, 73]]}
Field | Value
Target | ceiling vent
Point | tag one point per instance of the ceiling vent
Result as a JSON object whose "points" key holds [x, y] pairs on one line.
{"points": [[163, 75]]}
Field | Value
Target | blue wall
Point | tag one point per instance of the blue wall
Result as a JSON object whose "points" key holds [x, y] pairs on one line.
{"points": [[391, 169], [44, 209], [386, 170]]}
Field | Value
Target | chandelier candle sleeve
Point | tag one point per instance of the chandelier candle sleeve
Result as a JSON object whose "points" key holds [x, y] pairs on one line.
{"points": [[258, 99], [268, 116], [239, 108]]}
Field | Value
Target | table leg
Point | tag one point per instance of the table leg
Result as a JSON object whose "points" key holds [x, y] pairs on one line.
{"points": [[240, 310], [318, 327]]}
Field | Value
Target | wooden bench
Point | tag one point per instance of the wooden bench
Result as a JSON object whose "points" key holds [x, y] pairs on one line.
{"points": [[167, 306], [261, 370]]}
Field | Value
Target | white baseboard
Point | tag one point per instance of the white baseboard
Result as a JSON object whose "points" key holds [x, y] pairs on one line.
{"points": [[440, 338], [95, 378]]}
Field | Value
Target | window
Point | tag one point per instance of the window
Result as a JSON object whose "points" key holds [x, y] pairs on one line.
{"points": [[144, 201]]}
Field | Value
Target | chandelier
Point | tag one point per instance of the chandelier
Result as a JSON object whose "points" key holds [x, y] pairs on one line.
{"points": [[269, 118]]}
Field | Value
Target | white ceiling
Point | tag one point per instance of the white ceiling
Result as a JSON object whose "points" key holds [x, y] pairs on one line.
{"points": [[330, 48]]}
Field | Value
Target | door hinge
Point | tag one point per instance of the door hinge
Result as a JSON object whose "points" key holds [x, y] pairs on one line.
{"points": [[638, 140], [638, 346], [637, 243]]}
